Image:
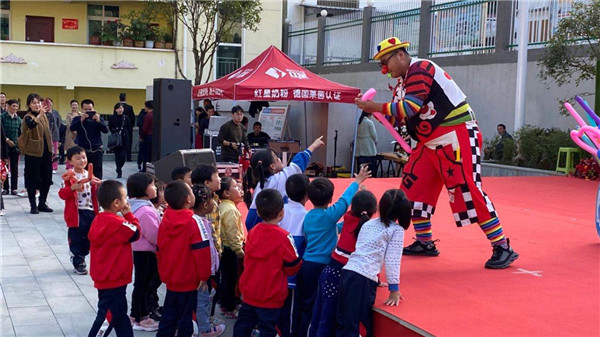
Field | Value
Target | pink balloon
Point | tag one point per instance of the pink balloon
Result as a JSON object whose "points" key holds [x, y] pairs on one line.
{"points": [[592, 132], [367, 96]]}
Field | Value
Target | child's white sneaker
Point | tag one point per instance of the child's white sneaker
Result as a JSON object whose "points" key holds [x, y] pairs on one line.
{"points": [[214, 331], [147, 324]]}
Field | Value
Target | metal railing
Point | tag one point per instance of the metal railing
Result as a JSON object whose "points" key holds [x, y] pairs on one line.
{"points": [[463, 27], [544, 17], [343, 38], [402, 24], [226, 65], [302, 43]]}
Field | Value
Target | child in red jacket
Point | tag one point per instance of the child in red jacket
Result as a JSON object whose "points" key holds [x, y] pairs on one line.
{"points": [[111, 260], [270, 258], [81, 206], [183, 260]]}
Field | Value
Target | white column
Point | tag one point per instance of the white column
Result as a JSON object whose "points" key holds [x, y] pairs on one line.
{"points": [[523, 39]]}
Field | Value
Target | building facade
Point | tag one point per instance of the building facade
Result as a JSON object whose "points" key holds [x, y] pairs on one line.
{"points": [[47, 48]]}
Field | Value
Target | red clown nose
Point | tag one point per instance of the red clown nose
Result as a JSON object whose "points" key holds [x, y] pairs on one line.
{"points": [[384, 69]]}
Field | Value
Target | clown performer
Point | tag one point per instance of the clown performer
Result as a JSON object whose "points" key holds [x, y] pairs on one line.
{"points": [[448, 151]]}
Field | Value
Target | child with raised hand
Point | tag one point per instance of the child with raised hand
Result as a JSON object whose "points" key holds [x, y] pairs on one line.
{"points": [[184, 261], [293, 221], [202, 206], [232, 238], [320, 230], [267, 171], [141, 188], [81, 206], [270, 258], [380, 241], [364, 205], [111, 261]]}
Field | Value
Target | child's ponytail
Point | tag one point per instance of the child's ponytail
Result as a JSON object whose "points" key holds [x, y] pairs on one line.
{"points": [[260, 164], [394, 206], [363, 206]]}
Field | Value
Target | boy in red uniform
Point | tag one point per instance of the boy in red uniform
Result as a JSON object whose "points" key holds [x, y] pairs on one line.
{"points": [[111, 261], [184, 262], [81, 206], [270, 258]]}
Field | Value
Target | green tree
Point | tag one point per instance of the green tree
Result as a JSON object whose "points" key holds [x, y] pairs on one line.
{"points": [[209, 22], [573, 52]]}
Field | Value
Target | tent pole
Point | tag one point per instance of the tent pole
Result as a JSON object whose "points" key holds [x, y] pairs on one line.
{"points": [[305, 127], [358, 113]]}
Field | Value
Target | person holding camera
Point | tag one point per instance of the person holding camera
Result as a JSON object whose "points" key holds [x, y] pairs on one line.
{"points": [[89, 127], [35, 143], [232, 135]]}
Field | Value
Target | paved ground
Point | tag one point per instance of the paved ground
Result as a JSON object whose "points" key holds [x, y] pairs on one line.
{"points": [[40, 294]]}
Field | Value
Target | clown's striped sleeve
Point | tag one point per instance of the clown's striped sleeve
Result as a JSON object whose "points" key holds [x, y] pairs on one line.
{"points": [[417, 85]]}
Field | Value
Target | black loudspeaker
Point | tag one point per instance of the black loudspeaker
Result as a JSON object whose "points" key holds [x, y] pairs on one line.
{"points": [[171, 119], [189, 158]]}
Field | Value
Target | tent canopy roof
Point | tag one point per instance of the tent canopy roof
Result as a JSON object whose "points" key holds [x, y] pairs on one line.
{"points": [[273, 76]]}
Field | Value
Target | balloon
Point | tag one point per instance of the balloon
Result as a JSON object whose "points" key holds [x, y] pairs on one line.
{"points": [[591, 114], [69, 175], [367, 96]]}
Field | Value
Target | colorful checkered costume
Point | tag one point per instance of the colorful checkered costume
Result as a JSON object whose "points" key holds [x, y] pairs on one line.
{"points": [[448, 152]]}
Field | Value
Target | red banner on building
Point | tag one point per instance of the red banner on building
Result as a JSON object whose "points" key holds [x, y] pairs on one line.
{"points": [[70, 23]]}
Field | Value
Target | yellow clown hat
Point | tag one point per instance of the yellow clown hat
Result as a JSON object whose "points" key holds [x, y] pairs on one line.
{"points": [[388, 45]]}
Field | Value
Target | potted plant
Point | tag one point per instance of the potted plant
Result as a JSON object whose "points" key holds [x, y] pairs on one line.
{"points": [[168, 39], [108, 34], [126, 35], [95, 37], [139, 31], [160, 40], [151, 35]]}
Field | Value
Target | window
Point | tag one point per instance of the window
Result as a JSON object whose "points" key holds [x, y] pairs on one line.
{"points": [[229, 52], [5, 20], [98, 15], [229, 59]]}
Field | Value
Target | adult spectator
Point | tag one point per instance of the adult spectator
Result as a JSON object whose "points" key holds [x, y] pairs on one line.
{"points": [[12, 127], [146, 135], [55, 122], [503, 136], [3, 107], [37, 148], [71, 135], [232, 135], [199, 115], [128, 112], [204, 122], [257, 137], [89, 127], [119, 123], [139, 122], [366, 143], [206, 103]]}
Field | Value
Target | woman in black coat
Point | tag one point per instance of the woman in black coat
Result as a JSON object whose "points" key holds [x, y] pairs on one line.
{"points": [[119, 123]]}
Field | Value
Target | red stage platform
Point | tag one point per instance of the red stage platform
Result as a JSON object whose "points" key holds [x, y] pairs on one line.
{"points": [[552, 289]]}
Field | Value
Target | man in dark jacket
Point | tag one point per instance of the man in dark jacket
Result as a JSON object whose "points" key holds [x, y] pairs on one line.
{"points": [[89, 127], [232, 135]]}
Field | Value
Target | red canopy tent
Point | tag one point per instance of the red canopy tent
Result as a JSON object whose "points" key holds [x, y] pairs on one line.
{"points": [[273, 76]]}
